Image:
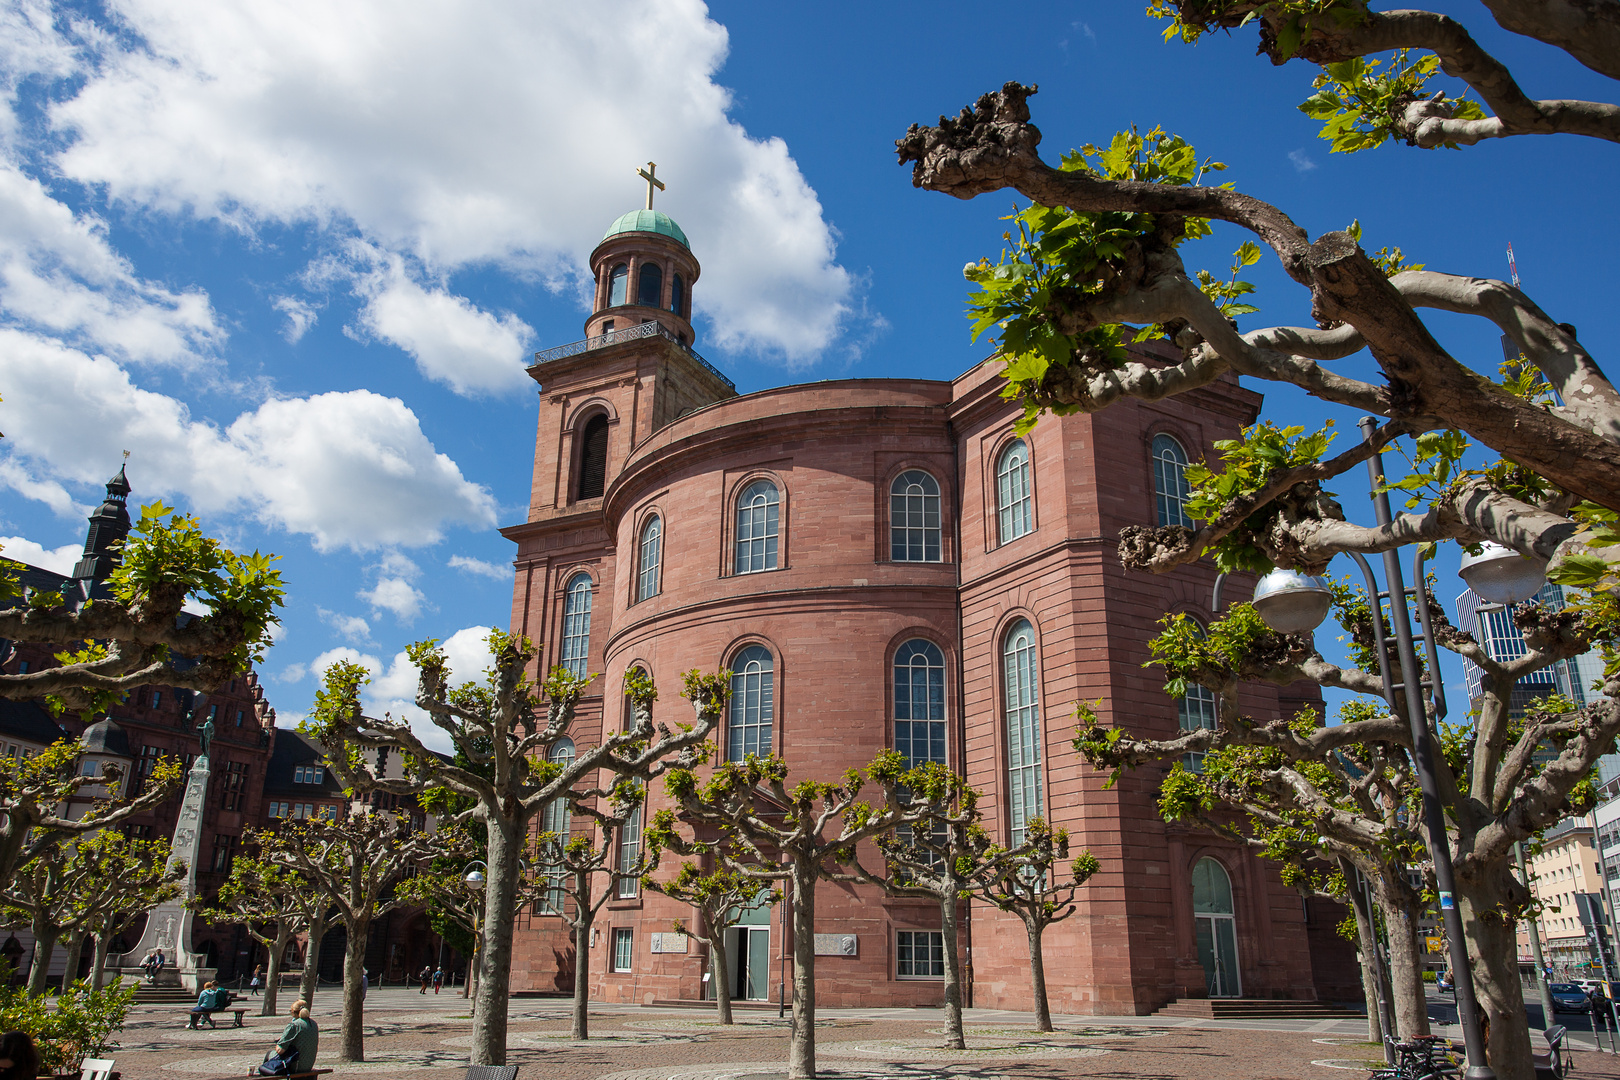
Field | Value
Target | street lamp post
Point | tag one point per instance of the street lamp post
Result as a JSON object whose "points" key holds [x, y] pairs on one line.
{"points": [[475, 881]]}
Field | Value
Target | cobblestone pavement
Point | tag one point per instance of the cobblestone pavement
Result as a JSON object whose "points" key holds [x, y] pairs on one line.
{"points": [[429, 1038]]}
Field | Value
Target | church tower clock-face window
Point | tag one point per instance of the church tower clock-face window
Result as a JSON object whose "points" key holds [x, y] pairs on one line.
{"points": [[593, 458]]}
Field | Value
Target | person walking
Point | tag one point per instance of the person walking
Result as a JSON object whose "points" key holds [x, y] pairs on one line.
{"points": [[365, 983], [438, 978], [254, 984], [298, 1042], [426, 976]]}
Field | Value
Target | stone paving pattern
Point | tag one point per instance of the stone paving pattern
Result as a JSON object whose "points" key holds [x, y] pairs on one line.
{"points": [[428, 1038]]}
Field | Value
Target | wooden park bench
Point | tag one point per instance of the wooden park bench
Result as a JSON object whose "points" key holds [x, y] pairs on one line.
{"points": [[308, 1074], [237, 1010]]}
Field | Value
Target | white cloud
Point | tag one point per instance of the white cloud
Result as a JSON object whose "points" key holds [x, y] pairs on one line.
{"points": [[451, 340], [57, 560], [349, 469], [349, 626], [392, 689], [300, 317], [480, 567], [292, 673], [438, 132], [396, 595], [49, 492], [1301, 161]]}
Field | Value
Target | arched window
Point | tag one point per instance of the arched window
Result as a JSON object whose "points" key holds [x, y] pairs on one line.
{"points": [[1013, 503], [649, 555], [1196, 712], [629, 706], [1021, 679], [555, 819], [677, 295], [630, 851], [650, 287], [593, 457], [919, 702], [914, 518], [618, 283], [757, 509], [748, 724], [1216, 928], [1170, 481], [576, 638]]}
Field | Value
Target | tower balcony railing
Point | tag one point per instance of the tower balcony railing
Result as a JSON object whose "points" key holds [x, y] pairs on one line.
{"points": [[629, 333]]}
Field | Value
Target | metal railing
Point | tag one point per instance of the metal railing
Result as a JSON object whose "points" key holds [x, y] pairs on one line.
{"points": [[629, 333]]}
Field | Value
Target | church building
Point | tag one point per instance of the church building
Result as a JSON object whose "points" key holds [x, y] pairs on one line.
{"points": [[886, 563]]}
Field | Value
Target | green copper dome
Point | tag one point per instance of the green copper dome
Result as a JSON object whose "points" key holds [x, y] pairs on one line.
{"points": [[653, 221]]}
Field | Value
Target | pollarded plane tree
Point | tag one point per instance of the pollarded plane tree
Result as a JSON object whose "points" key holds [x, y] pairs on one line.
{"points": [[938, 859], [721, 898], [71, 888], [356, 864], [273, 903], [504, 724], [797, 836]]}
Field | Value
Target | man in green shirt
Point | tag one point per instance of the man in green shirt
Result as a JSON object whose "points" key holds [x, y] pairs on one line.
{"points": [[301, 1035]]}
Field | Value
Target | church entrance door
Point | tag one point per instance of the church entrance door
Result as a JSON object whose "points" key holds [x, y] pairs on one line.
{"points": [[1216, 927], [749, 950]]}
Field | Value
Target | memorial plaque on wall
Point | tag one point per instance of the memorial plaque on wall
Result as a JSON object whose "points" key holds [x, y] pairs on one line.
{"points": [[835, 944], [669, 943]]}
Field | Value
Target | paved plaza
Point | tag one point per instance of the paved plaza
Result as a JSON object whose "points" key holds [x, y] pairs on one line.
{"points": [[429, 1038]]}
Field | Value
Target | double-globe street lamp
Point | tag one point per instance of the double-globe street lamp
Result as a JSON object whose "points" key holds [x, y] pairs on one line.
{"points": [[1294, 603]]}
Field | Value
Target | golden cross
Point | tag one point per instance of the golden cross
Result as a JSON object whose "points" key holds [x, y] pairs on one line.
{"points": [[650, 174]]}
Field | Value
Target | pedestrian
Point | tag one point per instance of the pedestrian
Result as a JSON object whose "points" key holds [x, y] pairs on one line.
{"points": [[207, 1003], [158, 962], [19, 1058], [365, 983], [438, 978], [254, 984], [426, 976], [295, 1049]]}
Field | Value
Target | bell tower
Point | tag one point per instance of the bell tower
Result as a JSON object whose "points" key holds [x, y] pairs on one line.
{"points": [[644, 271], [109, 527]]}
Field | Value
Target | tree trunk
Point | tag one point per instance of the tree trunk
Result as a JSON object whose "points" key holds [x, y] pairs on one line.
{"points": [[98, 963], [1371, 979], [272, 974], [312, 957], [1037, 972], [1411, 1006], [954, 1039], [352, 1042], [44, 946], [494, 959], [802, 1048], [1494, 954], [719, 974], [75, 949], [583, 917]]}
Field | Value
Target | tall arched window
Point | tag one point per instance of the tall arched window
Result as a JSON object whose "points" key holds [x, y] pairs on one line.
{"points": [[757, 509], [919, 702], [1170, 481], [650, 286], [649, 555], [576, 636], [1014, 505], [677, 295], [1196, 712], [1216, 923], [630, 851], [556, 819], [618, 284], [914, 517], [1021, 679], [593, 457], [753, 692]]}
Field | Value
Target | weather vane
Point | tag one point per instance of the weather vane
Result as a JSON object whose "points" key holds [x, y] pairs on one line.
{"points": [[650, 174]]}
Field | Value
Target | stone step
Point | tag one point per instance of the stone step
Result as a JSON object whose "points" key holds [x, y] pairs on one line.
{"points": [[694, 1003], [1254, 1009]]}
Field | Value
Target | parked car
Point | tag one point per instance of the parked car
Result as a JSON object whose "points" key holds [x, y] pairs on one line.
{"points": [[1568, 997], [1591, 986]]}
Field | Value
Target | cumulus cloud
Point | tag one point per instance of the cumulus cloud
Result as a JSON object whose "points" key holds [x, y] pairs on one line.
{"points": [[57, 560], [396, 595], [301, 315], [478, 566], [1301, 161], [349, 626], [351, 469], [392, 688], [433, 131]]}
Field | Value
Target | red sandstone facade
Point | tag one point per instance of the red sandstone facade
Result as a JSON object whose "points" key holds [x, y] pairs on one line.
{"points": [[832, 614]]}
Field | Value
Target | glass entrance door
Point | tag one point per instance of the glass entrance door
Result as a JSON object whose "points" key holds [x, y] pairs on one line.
{"points": [[750, 956], [1217, 951]]}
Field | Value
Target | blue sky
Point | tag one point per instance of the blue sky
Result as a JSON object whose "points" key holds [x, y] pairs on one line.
{"points": [[292, 256]]}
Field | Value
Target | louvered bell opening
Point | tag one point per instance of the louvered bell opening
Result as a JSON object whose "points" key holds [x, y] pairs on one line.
{"points": [[593, 459]]}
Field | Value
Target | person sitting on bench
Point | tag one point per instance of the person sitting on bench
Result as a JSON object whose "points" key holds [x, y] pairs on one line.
{"points": [[295, 1051], [208, 1002]]}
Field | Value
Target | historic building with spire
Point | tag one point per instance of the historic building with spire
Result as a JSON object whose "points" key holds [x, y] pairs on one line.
{"points": [[885, 563]]}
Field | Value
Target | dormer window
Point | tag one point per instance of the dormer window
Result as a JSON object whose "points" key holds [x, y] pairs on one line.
{"points": [[650, 287], [618, 283], [308, 774]]}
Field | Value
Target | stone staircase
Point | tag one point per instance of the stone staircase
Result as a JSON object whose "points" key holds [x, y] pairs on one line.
{"points": [[1254, 1009]]}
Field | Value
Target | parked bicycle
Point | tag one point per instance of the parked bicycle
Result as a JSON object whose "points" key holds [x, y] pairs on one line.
{"points": [[1424, 1057]]}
